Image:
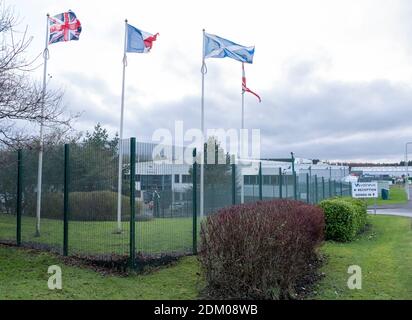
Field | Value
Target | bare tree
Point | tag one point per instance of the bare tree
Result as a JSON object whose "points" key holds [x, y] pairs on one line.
{"points": [[21, 98]]}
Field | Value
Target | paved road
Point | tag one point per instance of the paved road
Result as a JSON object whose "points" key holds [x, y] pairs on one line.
{"points": [[404, 210]]}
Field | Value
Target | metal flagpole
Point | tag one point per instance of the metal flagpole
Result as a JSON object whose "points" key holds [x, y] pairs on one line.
{"points": [[243, 114], [202, 125], [119, 181], [243, 109], [40, 164], [242, 127], [243, 98]]}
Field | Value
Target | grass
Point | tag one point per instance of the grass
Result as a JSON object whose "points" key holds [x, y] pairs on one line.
{"points": [[397, 195], [24, 276], [160, 235], [384, 253]]}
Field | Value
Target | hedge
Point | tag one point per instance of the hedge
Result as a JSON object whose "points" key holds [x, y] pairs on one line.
{"points": [[84, 206], [344, 217], [261, 250]]}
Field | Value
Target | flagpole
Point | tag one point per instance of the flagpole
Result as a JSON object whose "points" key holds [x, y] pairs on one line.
{"points": [[202, 172], [119, 178], [243, 110], [40, 163], [242, 123], [242, 186]]}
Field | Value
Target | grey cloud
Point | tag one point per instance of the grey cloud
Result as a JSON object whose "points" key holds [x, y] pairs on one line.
{"points": [[312, 117]]}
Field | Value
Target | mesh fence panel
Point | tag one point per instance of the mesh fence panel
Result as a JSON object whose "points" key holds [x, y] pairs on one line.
{"points": [[327, 193], [94, 225], [302, 187], [313, 189], [288, 186], [164, 197], [347, 189], [271, 182], [339, 189], [29, 221], [45, 231], [217, 185], [320, 190], [249, 190], [8, 201]]}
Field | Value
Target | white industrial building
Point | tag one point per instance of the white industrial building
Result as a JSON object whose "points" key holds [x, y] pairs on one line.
{"points": [[393, 172], [164, 176]]}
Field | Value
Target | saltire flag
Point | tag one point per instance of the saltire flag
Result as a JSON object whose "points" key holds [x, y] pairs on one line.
{"points": [[244, 87], [139, 41], [217, 47], [64, 27]]}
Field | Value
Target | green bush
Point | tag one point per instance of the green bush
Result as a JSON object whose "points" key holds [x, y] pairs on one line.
{"points": [[361, 208], [51, 205], [344, 218], [83, 206]]}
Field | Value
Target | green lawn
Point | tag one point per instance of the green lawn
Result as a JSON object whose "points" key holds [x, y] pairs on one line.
{"points": [[161, 235], [397, 195], [385, 255], [23, 275]]}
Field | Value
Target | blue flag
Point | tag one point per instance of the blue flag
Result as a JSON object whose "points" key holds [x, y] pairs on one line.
{"points": [[139, 41], [217, 47]]}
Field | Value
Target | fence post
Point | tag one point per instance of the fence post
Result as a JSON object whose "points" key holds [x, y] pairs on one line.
{"points": [[295, 186], [295, 191], [307, 189], [66, 200], [19, 195], [330, 182], [323, 188], [316, 189], [132, 202], [280, 183], [233, 181], [194, 201], [341, 187], [330, 188], [260, 182]]}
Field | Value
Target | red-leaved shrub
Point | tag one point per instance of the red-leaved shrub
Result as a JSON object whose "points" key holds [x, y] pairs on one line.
{"points": [[262, 250]]}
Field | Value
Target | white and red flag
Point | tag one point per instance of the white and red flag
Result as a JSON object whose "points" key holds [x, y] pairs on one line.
{"points": [[244, 87], [138, 40]]}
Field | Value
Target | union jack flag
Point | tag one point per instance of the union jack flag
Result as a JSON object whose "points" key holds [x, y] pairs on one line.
{"points": [[244, 87], [64, 27]]}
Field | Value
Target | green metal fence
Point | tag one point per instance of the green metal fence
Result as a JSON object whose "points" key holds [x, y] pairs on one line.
{"points": [[160, 199], [9, 177]]}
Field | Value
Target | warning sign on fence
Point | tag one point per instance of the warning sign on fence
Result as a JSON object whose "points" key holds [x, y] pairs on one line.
{"points": [[365, 190]]}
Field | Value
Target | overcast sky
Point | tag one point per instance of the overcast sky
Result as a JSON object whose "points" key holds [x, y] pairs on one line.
{"points": [[335, 76]]}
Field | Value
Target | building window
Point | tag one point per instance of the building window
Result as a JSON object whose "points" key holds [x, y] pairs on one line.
{"points": [[251, 180], [186, 178], [177, 178]]}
